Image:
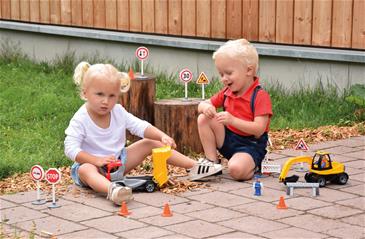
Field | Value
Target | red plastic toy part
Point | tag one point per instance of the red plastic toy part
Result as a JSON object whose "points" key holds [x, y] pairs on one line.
{"points": [[110, 166]]}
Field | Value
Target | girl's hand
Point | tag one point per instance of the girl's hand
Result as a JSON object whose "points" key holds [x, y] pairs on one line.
{"points": [[105, 160], [210, 111], [224, 118], [167, 140]]}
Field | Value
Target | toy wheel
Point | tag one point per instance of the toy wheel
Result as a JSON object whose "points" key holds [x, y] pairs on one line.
{"points": [[321, 181], [150, 186], [309, 178], [342, 178]]}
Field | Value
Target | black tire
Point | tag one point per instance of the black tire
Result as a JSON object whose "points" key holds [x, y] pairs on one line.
{"points": [[310, 178], [342, 178], [150, 186], [322, 181]]}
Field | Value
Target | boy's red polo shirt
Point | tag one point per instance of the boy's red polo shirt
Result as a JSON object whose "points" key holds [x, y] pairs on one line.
{"points": [[239, 106]]}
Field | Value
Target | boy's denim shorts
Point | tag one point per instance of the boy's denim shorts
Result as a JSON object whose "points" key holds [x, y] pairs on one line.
{"points": [[234, 143], [75, 169]]}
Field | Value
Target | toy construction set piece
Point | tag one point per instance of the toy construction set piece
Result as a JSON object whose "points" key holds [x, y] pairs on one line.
{"points": [[268, 168], [53, 176], [301, 145], [142, 54], [124, 210], [37, 174], [257, 186], [114, 172], [281, 204], [321, 170], [166, 211], [291, 186], [186, 75], [202, 80]]}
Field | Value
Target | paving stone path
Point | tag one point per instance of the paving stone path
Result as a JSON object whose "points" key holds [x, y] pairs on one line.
{"points": [[227, 209]]}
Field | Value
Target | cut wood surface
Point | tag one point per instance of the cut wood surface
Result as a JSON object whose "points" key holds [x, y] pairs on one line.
{"points": [[178, 118]]}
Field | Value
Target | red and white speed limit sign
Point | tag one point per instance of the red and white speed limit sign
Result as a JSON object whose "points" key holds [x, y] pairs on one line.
{"points": [[142, 53], [53, 176], [37, 173], [186, 75]]}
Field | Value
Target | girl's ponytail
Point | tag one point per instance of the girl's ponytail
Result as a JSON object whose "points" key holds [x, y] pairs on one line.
{"points": [[80, 71]]}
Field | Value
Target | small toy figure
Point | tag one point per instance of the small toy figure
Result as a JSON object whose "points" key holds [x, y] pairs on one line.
{"points": [[257, 186]]}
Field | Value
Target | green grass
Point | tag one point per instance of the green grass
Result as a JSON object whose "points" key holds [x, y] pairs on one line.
{"points": [[37, 101]]}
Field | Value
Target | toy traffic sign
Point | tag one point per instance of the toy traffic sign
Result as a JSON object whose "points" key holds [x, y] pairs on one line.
{"points": [[53, 176], [186, 75], [202, 80], [301, 145], [37, 174], [142, 54]]}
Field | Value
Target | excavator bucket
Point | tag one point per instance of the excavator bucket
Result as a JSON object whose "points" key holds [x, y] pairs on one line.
{"points": [[159, 158]]}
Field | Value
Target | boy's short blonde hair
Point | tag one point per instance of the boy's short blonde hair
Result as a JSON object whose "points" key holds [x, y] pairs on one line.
{"points": [[240, 49], [84, 73]]}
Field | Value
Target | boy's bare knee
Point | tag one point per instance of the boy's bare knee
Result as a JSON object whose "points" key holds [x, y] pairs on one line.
{"points": [[238, 172], [202, 119]]}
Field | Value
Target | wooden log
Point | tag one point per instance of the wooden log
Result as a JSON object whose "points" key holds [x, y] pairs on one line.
{"points": [[178, 118], [140, 98]]}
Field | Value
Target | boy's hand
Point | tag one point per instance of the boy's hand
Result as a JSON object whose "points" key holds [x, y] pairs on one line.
{"points": [[105, 160], [210, 111], [224, 118], [167, 140]]}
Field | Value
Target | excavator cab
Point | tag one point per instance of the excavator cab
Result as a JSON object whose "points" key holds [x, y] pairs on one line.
{"points": [[321, 161]]}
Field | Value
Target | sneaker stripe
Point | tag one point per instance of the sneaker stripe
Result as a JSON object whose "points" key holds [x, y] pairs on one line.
{"points": [[199, 169]]}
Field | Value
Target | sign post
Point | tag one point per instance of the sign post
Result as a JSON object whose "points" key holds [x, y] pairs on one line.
{"points": [[142, 54], [301, 145], [37, 174], [186, 75], [203, 80], [53, 176]]}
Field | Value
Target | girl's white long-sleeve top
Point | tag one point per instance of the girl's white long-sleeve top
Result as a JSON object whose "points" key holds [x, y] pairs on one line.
{"points": [[83, 134]]}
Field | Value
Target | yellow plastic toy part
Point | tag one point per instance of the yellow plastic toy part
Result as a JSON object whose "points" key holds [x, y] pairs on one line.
{"points": [[159, 158]]}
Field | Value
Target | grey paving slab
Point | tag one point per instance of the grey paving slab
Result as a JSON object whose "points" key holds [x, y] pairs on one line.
{"points": [[234, 235], [335, 211], [191, 206], [114, 224], [348, 231], [358, 220], [22, 197], [353, 142], [77, 212], [293, 232], [199, 229], [358, 189], [226, 185], [323, 145], [327, 194], [19, 214], [11, 231], [160, 221], [306, 203], [59, 202], [6, 204], [158, 199], [216, 214], [268, 194], [315, 223], [359, 176], [358, 202], [145, 232], [250, 224], [89, 233], [268, 210], [341, 150], [360, 154], [142, 212], [358, 164], [216, 198], [52, 225]]}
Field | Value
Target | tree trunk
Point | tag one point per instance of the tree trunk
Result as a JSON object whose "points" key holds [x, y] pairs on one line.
{"points": [[178, 118], [139, 100]]}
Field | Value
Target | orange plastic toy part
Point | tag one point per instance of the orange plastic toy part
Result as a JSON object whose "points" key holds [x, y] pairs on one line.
{"points": [[110, 166], [166, 211], [281, 204], [124, 210], [159, 158]]}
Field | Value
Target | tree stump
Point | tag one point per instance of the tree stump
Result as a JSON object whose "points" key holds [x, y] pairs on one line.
{"points": [[140, 98], [178, 119]]}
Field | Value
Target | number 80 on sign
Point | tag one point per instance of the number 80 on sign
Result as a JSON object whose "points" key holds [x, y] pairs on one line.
{"points": [[186, 75]]}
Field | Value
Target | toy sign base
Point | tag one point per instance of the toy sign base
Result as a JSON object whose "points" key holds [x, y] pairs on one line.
{"points": [[39, 202], [54, 205]]}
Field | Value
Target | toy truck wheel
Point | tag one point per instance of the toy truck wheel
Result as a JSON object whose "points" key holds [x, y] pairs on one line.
{"points": [[150, 186], [322, 181], [342, 178]]}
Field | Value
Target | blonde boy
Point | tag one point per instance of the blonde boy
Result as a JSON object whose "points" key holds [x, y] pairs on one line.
{"points": [[239, 132]]}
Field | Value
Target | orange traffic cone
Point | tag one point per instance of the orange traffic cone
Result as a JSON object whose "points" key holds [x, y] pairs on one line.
{"points": [[281, 204], [124, 210], [131, 74], [166, 211]]}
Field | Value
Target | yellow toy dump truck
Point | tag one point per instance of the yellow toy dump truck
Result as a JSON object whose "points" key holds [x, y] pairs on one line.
{"points": [[321, 170], [114, 172]]}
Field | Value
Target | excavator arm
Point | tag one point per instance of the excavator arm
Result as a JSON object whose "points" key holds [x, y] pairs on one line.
{"points": [[289, 162]]}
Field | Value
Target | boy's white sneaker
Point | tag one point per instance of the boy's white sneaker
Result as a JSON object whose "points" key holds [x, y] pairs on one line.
{"points": [[204, 168], [118, 194]]}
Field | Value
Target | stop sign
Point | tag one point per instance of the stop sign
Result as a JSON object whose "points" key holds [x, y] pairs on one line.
{"points": [[53, 176]]}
